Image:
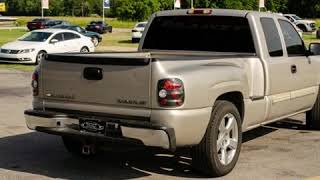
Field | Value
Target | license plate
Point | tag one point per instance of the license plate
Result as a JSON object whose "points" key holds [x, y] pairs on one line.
{"points": [[92, 126]]}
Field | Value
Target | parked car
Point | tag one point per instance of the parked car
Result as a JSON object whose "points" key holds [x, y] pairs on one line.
{"points": [[99, 27], [137, 31], [32, 47], [200, 78], [304, 25], [40, 23], [95, 37]]}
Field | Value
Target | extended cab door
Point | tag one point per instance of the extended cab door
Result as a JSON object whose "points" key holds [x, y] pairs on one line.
{"points": [[292, 75]]}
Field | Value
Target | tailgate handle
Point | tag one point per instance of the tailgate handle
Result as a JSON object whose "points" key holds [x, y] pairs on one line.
{"points": [[92, 73]]}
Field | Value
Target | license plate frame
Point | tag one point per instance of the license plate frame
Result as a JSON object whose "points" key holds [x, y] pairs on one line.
{"points": [[90, 125]]}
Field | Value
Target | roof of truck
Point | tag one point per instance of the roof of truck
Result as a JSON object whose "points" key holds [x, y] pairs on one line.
{"points": [[216, 12], [221, 12]]}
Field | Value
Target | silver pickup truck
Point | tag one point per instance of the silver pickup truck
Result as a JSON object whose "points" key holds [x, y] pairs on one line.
{"points": [[200, 78]]}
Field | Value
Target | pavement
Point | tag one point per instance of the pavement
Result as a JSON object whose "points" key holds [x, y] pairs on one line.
{"points": [[283, 150]]}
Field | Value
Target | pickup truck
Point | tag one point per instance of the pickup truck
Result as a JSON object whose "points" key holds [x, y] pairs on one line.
{"points": [[200, 78], [303, 24]]}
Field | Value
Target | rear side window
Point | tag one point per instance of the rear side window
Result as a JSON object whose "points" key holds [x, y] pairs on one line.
{"points": [[294, 43], [58, 37], [200, 33], [70, 36], [272, 37]]}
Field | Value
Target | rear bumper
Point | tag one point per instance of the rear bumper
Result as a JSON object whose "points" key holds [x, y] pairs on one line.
{"points": [[63, 124]]}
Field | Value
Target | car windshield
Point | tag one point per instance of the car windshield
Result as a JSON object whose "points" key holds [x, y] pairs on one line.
{"points": [[36, 36], [297, 18]]}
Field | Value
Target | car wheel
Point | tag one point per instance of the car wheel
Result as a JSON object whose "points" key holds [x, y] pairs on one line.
{"points": [[84, 50], [218, 152], [95, 41], [40, 56], [313, 116]]}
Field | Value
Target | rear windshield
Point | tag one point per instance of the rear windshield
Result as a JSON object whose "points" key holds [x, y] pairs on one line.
{"points": [[200, 33]]}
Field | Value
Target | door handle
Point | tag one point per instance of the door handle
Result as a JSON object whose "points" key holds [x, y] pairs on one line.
{"points": [[91, 73], [293, 69]]}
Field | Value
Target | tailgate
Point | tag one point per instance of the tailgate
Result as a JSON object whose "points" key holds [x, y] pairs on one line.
{"points": [[114, 79]]}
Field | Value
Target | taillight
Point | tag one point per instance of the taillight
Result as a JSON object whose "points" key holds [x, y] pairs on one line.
{"points": [[170, 92], [35, 83]]}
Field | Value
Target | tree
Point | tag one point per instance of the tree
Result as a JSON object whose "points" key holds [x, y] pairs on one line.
{"points": [[134, 10], [142, 9]]}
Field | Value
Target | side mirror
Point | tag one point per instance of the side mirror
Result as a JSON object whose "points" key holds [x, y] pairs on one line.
{"points": [[314, 49], [53, 41]]}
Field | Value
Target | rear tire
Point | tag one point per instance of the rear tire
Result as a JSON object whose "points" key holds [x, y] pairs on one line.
{"points": [[218, 152], [313, 116]]}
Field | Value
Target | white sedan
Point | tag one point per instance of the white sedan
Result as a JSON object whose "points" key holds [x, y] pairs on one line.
{"points": [[32, 47], [138, 31]]}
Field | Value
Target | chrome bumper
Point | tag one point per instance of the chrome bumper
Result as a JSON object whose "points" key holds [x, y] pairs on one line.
{"points": [[62, 124]]}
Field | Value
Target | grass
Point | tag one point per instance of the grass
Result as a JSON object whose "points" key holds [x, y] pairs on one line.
{"points": [[10, 35], [318, 22], [121, 39], [81, 21], [309, 38]]}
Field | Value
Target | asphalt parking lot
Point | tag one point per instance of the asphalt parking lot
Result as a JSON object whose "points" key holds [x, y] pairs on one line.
{"points": [[283, 150]]}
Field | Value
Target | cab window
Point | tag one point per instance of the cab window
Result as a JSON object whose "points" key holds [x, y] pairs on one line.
{"points": [[272, 36], [294, 43]]}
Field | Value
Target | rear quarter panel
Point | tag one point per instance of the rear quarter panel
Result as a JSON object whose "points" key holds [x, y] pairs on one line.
{"points": [[204, 80]]}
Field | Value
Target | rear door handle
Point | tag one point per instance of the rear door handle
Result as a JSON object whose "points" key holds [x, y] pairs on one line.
{"points": [[293, 69], [92, 73]]}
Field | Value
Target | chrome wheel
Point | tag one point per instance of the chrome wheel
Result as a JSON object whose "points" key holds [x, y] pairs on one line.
{"points": [[227, 141]]}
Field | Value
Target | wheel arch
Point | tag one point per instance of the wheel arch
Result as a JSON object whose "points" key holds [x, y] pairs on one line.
{"points": [[236, 98], [301, 25], [85, 47]]}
